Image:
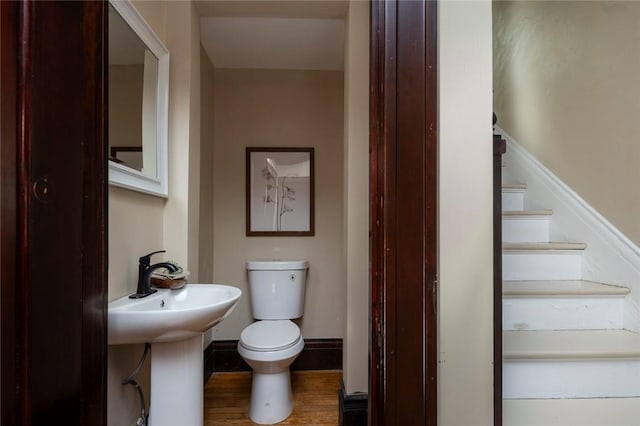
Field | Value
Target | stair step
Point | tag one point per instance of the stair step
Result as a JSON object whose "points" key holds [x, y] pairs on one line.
{"points": [[551, 246], [562, 305], [513, 197], [526, 213], [571, 345], [559, 288], [542, 261], [571, 364], [572, 412], [514, 186], [526, 226]]}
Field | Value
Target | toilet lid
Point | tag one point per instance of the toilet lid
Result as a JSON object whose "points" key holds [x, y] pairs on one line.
{"points": [[270, 335]]}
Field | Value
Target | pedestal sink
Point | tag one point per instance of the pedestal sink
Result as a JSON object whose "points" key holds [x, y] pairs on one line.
{"points": [[173, 321]]}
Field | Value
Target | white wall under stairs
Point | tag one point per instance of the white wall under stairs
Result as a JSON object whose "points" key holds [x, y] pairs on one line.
{"points": [[569, 320]]}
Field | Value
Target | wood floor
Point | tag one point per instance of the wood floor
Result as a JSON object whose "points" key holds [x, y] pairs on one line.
{"points": [[226, 398]]}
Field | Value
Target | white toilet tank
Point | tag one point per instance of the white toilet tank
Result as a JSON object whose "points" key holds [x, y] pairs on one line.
{"points": [[276, 288]]}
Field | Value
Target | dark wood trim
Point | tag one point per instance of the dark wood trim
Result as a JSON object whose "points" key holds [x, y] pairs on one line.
{"points": [[377, 71], [23, 314], [225, 356], [499, 148], [55, 195], [352, 408], [114, 150], [208, 362], [249, 232], [9, 373], [403, 185], [95, 208], [318, 354]]}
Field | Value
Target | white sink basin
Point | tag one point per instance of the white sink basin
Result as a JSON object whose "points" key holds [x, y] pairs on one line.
{"points": [[170, 315]]}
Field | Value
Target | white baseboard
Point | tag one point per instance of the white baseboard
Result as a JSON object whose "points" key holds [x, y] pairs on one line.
{"points": [[610, 258]]}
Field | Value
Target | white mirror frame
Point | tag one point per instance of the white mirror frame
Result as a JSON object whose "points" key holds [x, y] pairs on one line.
{"points": [[127, 177]]}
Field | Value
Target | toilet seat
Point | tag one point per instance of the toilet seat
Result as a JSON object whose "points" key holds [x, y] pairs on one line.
{"points": [[268, 336]]}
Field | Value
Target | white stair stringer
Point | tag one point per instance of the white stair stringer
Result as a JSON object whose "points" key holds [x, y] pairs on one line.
{"points": [[562, 305], [542, 261], [571, 364]]}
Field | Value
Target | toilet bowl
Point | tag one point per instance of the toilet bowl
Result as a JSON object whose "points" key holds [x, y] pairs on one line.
{"points": [[272, 343], [269, 347]]}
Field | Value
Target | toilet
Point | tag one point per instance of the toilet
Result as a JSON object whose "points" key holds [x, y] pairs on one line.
{"points": [[271, 344]]}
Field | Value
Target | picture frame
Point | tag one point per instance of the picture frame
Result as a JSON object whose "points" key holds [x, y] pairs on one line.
{"points": [[280, 192], [128, 155]]}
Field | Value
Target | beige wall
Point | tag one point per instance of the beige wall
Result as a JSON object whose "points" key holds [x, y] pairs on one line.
{"points": [[181, 214], [205, 264], [280, 108], [566, 80], [135, 228], [154, 12], [194, 146], [139, 223], [125, 104], [465, 380], [355, 362]]}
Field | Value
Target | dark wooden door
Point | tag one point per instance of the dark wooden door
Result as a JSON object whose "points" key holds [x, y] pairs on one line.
{"points": [[403, 380], [53, 197], [8, 212]]}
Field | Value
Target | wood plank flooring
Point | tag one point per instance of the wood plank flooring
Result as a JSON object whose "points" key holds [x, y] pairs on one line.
{"points": [[226, 398]]}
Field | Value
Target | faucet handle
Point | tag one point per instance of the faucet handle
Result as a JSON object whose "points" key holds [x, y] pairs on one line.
{"points": [[146, 259]]}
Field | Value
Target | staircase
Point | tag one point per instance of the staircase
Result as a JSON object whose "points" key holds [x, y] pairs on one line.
{"points": [[567, 358]]}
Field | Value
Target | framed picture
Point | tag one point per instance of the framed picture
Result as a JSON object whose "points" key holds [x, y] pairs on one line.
{"points": [[280, 192], [130, 156]]}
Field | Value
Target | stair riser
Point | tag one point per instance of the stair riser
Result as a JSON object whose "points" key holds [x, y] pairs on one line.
{"points": [[525, 230], [507, 176], [551, 313], [513, 201], [540, 265], [571, 379], [571, 412]]}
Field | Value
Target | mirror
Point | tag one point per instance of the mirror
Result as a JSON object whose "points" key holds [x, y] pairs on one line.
{"points": [[138, 102]]}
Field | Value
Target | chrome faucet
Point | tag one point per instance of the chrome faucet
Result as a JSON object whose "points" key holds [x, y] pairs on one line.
{"points": [[144, 274]]}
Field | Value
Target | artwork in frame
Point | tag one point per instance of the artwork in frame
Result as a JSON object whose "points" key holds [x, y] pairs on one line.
{"points": [[131, 156], [280, 191]]}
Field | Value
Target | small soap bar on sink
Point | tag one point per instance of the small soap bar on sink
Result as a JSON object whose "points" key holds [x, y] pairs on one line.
{"points": [[168, 280]]}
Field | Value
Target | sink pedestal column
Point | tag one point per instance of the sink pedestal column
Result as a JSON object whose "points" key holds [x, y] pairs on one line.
{"points": [[176, 383]]}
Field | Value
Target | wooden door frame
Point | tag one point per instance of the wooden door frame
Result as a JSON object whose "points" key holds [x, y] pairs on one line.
{"points": [[403, 258], [8, 212], [499, 148], [403, 201], [53, 187]]}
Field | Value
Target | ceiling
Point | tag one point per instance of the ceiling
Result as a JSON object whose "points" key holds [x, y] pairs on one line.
{"points": [[267, 34]]}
